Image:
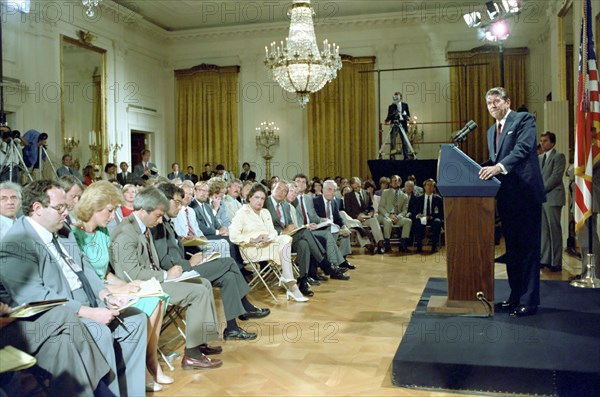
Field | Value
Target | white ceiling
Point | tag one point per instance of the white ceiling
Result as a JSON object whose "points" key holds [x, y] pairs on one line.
{"points": [[181, 15]]}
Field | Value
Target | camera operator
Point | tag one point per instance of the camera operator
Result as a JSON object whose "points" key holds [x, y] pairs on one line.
{"points": [[31, 152], [398, 115], [10, 146]]}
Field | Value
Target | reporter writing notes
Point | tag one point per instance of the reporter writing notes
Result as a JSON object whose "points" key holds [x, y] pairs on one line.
{"points": [[513, 160]]}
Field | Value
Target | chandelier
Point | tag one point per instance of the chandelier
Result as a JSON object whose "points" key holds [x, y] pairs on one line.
{"points": [[299, 66], [90, 5]]}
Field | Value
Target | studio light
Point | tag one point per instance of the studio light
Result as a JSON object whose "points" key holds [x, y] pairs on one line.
{"points": [[473, 19], [511, 6], [492, 9]]}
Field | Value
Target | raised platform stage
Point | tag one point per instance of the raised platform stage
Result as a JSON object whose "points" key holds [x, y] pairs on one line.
{"points": [[554, 353], [421, 169]]}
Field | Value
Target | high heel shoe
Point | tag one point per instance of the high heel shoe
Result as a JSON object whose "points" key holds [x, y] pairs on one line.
{"points": [[152, 386], [164, 379], [299, 298], [287, 283]]}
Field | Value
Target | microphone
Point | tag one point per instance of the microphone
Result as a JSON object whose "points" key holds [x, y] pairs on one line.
{"points": [[461, 135]]}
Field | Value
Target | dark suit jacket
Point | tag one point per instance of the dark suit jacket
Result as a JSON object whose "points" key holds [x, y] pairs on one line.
{"points": [[124, 180], [320, 210], [352, 206], [29, 272], [518, 154], [285, 206], [207, 175], [417, 204], [210, 226], [251, 176], [174, 175], [393, 111], [168, 247], [191, 177]]}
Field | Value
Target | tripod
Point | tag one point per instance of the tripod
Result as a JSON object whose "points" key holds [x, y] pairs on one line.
{"points": [[9, 163], [43, 153], [397, 129]]}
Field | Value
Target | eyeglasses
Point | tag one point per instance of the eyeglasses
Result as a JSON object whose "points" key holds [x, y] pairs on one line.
{"points": [[178, 202], [59, 208]]}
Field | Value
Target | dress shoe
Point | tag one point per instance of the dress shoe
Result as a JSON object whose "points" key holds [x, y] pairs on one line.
{"points": [[319, 277], [254, 313], [555, 269], [202, 363], [347, 265], [505, 306], [338, 274], [286, 282], [238, 334], [370, 249], [522, 311], [208, 350], [305, 288], [312, 281], [402, 247]]}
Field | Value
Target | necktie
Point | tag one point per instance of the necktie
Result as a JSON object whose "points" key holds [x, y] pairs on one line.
{"points": [[544, 160], [498, 132], [360, 200], [70, 170], [85, 283], [303, 210], [149, 248], [428, 206], [328, 209], [189, 225], [281, 222], [145, 166]]}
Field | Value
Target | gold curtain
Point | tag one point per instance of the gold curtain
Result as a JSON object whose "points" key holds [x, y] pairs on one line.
{"points": [[341, 122], [207, 116], [470, 83]]}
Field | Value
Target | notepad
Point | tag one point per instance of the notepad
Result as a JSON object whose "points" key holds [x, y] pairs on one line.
{"points": [[13, 359], [184, 276], [29, 309]]}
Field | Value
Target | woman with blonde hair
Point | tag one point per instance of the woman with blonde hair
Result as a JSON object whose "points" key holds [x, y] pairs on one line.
{"points": [[253, 231], [95, 210]]}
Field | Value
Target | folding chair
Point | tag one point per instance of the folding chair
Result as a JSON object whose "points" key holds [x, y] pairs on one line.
{"points": [[264, 273], [174, 315]]}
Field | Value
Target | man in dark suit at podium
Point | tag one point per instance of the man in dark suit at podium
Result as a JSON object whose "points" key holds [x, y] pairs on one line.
{"points": [[513, 160]]}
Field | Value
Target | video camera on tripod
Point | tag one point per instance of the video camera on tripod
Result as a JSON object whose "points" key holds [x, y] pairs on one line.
{"points": [[9, 136]]}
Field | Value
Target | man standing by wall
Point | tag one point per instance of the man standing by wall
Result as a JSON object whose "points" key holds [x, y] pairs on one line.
{"points": [[552, 164]]}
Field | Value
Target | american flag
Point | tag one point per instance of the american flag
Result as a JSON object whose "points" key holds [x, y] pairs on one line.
{"points": [[587, 134]]}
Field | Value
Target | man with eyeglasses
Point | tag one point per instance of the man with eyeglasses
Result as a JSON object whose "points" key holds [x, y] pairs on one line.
{"points": [[222, 272], [40, 261], [10, 204]]}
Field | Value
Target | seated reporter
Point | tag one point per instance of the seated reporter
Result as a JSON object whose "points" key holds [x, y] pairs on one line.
{"points": [[252, 229], [132, 252], [222, 272], [427, 210]]}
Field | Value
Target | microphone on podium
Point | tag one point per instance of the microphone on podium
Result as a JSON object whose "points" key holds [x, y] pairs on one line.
{"points": [[461, 135]]}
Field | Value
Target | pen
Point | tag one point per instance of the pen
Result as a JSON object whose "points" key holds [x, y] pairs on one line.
{"points": [[122, 323], [127, 275], [188, 254]]}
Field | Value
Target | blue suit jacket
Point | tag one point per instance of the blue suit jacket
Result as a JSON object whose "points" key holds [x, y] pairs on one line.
{"points": [[517, 151]]}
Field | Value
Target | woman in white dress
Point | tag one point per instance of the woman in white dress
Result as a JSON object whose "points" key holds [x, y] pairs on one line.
{"points": [[252, 230]]}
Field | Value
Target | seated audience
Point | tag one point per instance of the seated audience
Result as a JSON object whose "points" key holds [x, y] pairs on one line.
{"points": [[358, 205], [175, 173], [67, 168], [89, 175], [428, 210], [384, 183], [393, 210], [124, 177], [74, 190], [190, 176], [10, 205], [216, 192], [247, 174], [230, 200]]}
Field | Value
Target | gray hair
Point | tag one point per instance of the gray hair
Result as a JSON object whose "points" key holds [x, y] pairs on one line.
{"points": [[500, 91], [330, 182], [11, 186], [409, 182], [187, 183], [232, 181], [150, 199]]}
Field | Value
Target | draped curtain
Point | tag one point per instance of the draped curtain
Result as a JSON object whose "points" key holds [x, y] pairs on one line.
{"points": [[341, 120], [207, 115], [470, 83]]}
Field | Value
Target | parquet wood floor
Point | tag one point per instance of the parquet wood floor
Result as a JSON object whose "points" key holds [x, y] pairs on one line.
{"points": [[340, 343]]}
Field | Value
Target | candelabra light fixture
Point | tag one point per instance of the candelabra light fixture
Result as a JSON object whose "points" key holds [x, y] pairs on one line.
{"points": [[114, 148], [267, 138], [69, 144], [91, 6], [299, 66]]}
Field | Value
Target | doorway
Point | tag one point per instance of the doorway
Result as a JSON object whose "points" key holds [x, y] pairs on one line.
{"points": [[138, 143]]}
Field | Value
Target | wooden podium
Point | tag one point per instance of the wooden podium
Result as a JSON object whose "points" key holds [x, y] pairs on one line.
{"points": [[469, 214]]}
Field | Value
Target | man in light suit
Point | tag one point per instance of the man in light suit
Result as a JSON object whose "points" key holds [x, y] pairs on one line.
{"points": [[223, 272], [67, 168], [393, 210], [175, 174], [363, 212], [513, 160], [146, 169], [133, 255], [230, 200], [552, 164], [37, 263]]}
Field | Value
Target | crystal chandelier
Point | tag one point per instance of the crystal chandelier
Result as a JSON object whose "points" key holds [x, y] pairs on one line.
{"points": [[299, 66], [90, 5]]}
